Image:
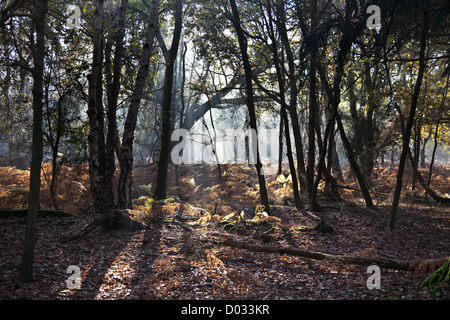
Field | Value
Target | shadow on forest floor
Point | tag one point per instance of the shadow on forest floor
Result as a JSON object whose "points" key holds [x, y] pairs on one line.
{"points": [[160, 262]]}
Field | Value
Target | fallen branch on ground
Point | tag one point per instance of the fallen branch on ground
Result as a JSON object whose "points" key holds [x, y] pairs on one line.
{"points": [[422, 265]]}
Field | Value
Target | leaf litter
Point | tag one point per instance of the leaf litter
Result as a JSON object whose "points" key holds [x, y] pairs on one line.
{"points": [[164, 261]]}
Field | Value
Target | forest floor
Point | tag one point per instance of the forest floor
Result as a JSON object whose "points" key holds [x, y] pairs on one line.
{"points": [[165, 261]]}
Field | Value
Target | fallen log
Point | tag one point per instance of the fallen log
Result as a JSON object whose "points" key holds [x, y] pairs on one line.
{"points": [[422, 265]]}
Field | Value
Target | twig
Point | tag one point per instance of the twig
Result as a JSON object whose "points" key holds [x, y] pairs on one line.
{"points": [[221, 288], [213, 284]]}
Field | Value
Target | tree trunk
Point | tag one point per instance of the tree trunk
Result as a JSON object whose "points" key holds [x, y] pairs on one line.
{"points": [[38, 53], [126, 150], [415, 167], [335, 97], [392, 156], [356, 138], [436, 132], [368, 155], [292, 109], [102, 190], [416, 142], [283, 106], [297, 200], [433, 155], [54, 144], [280, 148], [250, 100], [312, 114], [336, 163], [353, 164], [409, 124], [423, 149], [54, 178], [161, 181], [330, 181], [113, 89]]}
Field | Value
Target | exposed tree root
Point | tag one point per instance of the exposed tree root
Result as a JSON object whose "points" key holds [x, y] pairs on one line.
{"points": [[119, 219]]}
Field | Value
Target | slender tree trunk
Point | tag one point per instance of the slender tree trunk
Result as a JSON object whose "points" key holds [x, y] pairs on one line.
{"points": [[161, 180], [409, 124], [416, 142], [335, 97], [330, 188], [281, 25], [214, 145], [353, 164], [297, 199], [54, 177], [335, 163], [280, 148], [423, 149], [358, 130], [54, 144], [436, 132], [368, 155], [433, 155], [113, 89], [38, 53], [392, 156], [126, 150], [313, 201], [298, 146], [183, 106], [416, 171], [312, 112], [250, 100]]}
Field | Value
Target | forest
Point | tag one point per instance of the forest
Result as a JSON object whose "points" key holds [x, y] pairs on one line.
{"points": [[224, 150]]}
